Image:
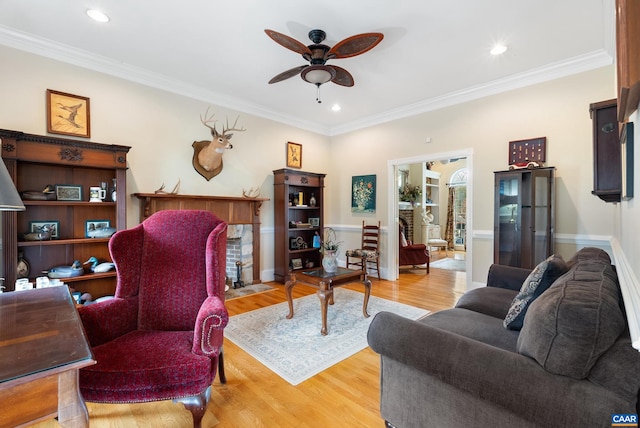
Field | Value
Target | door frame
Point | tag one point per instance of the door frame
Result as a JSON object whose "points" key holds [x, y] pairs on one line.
{"points": [[393, 199]]}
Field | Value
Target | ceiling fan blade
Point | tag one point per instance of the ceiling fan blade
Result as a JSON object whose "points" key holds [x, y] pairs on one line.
{"points": [[343, 77], [287, 74], [356, 45], [288, 42]]}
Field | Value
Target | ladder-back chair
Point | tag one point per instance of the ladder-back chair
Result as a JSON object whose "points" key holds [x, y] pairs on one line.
{"points": [[367, 257]]}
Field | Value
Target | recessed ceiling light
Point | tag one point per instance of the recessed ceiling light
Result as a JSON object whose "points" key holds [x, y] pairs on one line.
{"points": [[97, 15], [498, 49], [336, 107]]}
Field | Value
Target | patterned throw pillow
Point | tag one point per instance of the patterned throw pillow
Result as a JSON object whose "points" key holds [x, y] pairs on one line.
{"points": [[536, 283]]}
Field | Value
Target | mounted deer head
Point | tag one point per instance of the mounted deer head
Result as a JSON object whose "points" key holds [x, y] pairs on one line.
{"points": [[207, 155]]}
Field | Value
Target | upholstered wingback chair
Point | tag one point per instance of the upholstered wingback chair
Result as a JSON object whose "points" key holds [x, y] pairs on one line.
{"points": [[415, 255], [161, 336]]}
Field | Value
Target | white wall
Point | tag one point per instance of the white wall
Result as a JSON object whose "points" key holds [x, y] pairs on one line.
{"points": [[161, 127]]}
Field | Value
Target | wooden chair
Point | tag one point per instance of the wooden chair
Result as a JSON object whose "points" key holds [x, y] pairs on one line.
{"points": [[434, 239], [367, 257]]}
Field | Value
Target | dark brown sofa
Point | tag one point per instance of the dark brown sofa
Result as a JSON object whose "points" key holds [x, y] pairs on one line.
{"points": [[572, 364]]}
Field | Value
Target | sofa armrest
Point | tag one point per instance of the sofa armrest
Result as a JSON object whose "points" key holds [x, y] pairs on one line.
{"points": [[507, 276], [505, 379], [107, 320], [210, 323]]}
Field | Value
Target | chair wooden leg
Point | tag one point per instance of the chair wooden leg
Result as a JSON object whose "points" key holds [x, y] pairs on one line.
{"points": [[223, 378], [197, 405]]}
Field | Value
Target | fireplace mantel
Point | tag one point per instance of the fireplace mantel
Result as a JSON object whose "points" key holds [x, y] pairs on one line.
{"points": [[232, 209]]}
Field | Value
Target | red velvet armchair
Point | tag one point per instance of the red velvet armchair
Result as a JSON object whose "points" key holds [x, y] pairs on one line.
{"points": [[161, 337], [412, 254]]}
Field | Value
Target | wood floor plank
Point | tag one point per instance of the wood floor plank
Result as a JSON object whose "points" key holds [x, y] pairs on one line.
{"points": [[346, 394]]}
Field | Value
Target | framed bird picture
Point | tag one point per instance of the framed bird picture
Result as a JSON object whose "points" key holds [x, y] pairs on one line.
{"points": [[68, 114]]}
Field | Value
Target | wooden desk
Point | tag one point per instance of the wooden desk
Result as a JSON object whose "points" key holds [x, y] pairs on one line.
{"points": [[42, 347], [325, 282]]}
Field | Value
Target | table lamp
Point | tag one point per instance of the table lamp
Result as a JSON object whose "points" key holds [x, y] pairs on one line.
{"points": [[9, 197]]}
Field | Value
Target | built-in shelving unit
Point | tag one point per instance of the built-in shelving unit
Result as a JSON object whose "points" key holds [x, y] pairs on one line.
{"points": [[35, 161]]}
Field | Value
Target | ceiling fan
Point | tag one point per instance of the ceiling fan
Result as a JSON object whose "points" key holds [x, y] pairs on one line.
{"points": [[317, 72]]}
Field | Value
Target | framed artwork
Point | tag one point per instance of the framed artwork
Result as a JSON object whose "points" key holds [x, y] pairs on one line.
{"points": [[68, 114], [626, 152], [363, 194], [93, 225], [68, 192], [294, 155], [523, 151], [296, 264], [54, 225], [314, 221]]}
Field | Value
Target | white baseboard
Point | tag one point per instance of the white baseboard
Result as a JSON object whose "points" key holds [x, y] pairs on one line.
{"points": [[630, 288]]}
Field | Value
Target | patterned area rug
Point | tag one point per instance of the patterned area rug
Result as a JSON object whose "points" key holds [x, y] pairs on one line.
{"points": [[234, 293], [449, 264], [294, 349]]}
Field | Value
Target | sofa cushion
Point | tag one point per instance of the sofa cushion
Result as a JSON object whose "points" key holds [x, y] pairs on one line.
{"points": [[589, 253], [575, 321], [536, 283], [474, 325], [492, 301]]}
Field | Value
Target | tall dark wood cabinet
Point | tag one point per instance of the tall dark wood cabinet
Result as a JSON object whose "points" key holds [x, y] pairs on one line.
{"points": [[524, 216], [35, 161], [297, 222], [607, 176], [628, 56]]}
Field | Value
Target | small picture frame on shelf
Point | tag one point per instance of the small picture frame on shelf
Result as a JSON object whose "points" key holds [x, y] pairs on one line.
{"points": [[68, 192], [91, 227], [314, 221], [296, 264], [37, 226]]}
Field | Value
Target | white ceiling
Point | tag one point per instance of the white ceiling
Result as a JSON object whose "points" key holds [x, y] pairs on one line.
{"points": [[434, 53]]}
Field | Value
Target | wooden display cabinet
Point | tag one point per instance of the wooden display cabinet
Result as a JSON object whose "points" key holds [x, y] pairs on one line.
{"points": [[607, 163], [524, 221], [35, 161], [288, 185]]}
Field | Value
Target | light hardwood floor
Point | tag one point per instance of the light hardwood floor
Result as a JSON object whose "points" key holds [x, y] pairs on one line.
{"points": [[345, 395]]}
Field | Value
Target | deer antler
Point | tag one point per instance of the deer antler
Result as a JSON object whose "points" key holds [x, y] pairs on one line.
{"points": [[205, 120], [226, 128], [173, 192], [252, 193]]}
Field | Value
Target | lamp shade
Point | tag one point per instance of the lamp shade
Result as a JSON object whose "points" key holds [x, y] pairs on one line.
{"points": [[318, 74], [9, 197]]}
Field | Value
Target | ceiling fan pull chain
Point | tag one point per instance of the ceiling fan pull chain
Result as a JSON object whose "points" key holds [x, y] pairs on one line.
{"points": [[318, 93]]}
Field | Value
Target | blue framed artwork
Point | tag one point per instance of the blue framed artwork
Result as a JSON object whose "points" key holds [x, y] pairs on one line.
{"points": [[363, 194]]}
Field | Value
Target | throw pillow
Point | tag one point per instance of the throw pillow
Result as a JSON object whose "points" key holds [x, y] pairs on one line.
{"points": [[536, 283], [575, 321]]}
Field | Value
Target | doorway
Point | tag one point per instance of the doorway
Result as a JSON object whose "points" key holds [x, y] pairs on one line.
{"points": [[394, 167]]}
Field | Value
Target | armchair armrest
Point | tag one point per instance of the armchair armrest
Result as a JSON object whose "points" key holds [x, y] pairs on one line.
{"points": [[507, 277], [210, 323], [107, 320], [493, 375]]}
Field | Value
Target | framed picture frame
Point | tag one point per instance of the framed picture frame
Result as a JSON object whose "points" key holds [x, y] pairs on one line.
{"points": [[93, 225], [36, 226], [68, 192], [314, 221], [68, 114], [531, 150], [296, 264], [363, 193], [294, 155]]}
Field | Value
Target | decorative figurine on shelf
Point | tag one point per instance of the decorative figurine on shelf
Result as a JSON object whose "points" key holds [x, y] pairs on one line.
{"points": [[75, 269], [113, 190], [98, 267], [43, 233], [312, 200]]}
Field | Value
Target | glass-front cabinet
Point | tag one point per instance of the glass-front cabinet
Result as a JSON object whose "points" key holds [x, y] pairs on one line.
{"points": [[524, 216]]}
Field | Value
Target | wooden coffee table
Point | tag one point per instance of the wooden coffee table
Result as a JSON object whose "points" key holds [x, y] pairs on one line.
{"points": [[325, 282]]}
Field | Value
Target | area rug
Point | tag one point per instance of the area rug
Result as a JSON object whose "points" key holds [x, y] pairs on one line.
{"points": [[294, 349], [449, 264], [234, 293]]}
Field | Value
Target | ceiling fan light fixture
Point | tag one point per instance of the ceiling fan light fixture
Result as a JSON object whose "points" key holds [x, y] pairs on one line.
{"points": [[318, 74]]}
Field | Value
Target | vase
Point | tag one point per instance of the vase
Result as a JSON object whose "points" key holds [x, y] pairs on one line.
{"points": [[330, 262]]}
